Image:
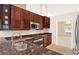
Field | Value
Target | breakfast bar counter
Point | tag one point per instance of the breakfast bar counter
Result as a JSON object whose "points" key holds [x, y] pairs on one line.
{"points": [[6, 48]]}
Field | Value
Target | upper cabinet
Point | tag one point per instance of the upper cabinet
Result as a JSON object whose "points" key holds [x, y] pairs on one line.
{"points": [[20, 18], [15, 18], [26, 19], [37, 19], [46, 21]]}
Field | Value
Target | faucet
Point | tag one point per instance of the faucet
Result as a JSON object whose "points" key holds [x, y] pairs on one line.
{"points": [[12, 38]]}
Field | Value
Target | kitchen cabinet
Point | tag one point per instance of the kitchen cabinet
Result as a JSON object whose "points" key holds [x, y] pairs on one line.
{"points": [[46, 21], [41, 22], [31, 16], [36, 19], [20, 18], [42, 39], [47, 40], [15, 18], [26, 19]]}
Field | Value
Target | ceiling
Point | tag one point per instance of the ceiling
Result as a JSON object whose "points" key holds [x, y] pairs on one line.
{"points": [[54, 9], [59, 9]]}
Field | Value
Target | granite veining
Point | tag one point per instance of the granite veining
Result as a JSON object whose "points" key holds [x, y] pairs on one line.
{"points": [[7, 49]]}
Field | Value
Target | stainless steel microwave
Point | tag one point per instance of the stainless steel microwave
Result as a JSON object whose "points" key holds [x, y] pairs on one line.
{"points": [[34, 25]]}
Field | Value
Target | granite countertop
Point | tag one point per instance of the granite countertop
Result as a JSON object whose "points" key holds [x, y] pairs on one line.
{"points": [[29, 35], [7, 49]]}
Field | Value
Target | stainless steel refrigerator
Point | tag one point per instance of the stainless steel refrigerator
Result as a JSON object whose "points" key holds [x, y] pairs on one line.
{"points": [[77, 34]]}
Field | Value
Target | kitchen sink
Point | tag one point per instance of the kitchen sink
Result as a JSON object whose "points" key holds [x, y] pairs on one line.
{"points": [[20, 46]]}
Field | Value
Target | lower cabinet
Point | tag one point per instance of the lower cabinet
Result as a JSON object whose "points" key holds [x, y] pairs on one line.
{"points": [[43, 41], [47, 40]]}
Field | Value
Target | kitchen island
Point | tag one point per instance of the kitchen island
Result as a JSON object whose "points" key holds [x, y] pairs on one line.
{"points": [[6, 48]]}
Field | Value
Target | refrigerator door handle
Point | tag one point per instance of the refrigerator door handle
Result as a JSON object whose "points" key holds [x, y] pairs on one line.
{"points": [[76, 33]]}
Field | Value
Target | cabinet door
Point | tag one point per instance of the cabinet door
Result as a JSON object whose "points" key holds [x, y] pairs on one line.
{"points": [[26, 19], [41, 21], [1, 16], [46, 22], [31, 16], [15, 18], [47, 40], [36, 18]]}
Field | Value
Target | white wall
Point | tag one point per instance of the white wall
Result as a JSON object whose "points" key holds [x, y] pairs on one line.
{"points": [[33, 8], [37, 8], [70, 42]]}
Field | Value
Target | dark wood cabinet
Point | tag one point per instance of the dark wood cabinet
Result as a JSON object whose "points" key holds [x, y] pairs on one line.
{"points": [[20, 18], [37, 19], [47, 40], [46, 22], [15, 18], [31, 16], [26, 19], [44, 40], [41, 21]]}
